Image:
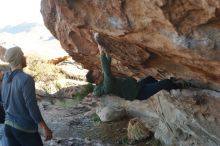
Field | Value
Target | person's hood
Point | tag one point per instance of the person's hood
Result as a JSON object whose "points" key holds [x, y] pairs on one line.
{"points": [[11, 75]]}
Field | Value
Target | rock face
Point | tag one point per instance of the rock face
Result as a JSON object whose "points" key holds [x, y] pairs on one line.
{"points": [[187, 117], [162, 38], [145, 37]]}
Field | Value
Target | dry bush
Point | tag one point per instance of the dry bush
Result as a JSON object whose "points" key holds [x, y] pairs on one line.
{"points": [[44, 73], [41, 70]]}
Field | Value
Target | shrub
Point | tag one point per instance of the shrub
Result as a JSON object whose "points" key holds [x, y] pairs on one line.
{"points": [[85, 90], [43, 73], [41, 70], [95, 118]]}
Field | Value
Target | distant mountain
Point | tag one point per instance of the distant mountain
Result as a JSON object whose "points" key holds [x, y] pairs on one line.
{"points": [[50, 38], [23, 27]]}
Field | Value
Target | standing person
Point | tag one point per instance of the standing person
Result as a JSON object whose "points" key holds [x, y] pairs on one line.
{"points": [[126, 87], [22, 114]]}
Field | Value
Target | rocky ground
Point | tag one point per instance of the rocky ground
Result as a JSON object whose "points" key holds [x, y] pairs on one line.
{"points": [[180, 117], [75, 123]]}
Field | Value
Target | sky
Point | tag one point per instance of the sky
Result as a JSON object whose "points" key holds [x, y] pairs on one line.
{"points": [[37, 38], [14, 12]]}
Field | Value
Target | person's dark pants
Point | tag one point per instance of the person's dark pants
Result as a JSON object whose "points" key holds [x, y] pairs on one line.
{"points": [[2, 114], [150, 86], [19, 138]]}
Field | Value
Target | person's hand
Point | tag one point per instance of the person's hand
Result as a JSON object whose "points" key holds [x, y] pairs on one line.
{"points": [[48, 134], [101, 50], [1, 74]]}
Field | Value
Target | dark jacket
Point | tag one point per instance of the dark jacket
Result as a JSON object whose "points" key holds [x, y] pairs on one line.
{"points": [[124, 87], [19, 100]]}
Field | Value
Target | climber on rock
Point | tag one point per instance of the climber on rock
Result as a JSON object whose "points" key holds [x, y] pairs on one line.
{"points": [[126, 87]]}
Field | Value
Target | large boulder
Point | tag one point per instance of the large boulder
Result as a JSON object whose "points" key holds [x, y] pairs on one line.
{"points": [[110, 113], [145, 37], [182, 117], [161, 38]]}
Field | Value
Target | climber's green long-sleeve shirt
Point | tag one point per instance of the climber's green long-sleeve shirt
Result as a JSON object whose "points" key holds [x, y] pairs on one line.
{"points": [[124, 87]]}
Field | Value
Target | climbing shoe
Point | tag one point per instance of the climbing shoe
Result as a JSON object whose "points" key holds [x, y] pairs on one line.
{"points": [[181, 84]]}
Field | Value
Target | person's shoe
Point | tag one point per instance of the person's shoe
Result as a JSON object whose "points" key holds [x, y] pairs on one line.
{"points": [[182, 84]]}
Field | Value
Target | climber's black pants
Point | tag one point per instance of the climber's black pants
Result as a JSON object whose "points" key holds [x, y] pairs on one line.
{"points": [[150, 86]]}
